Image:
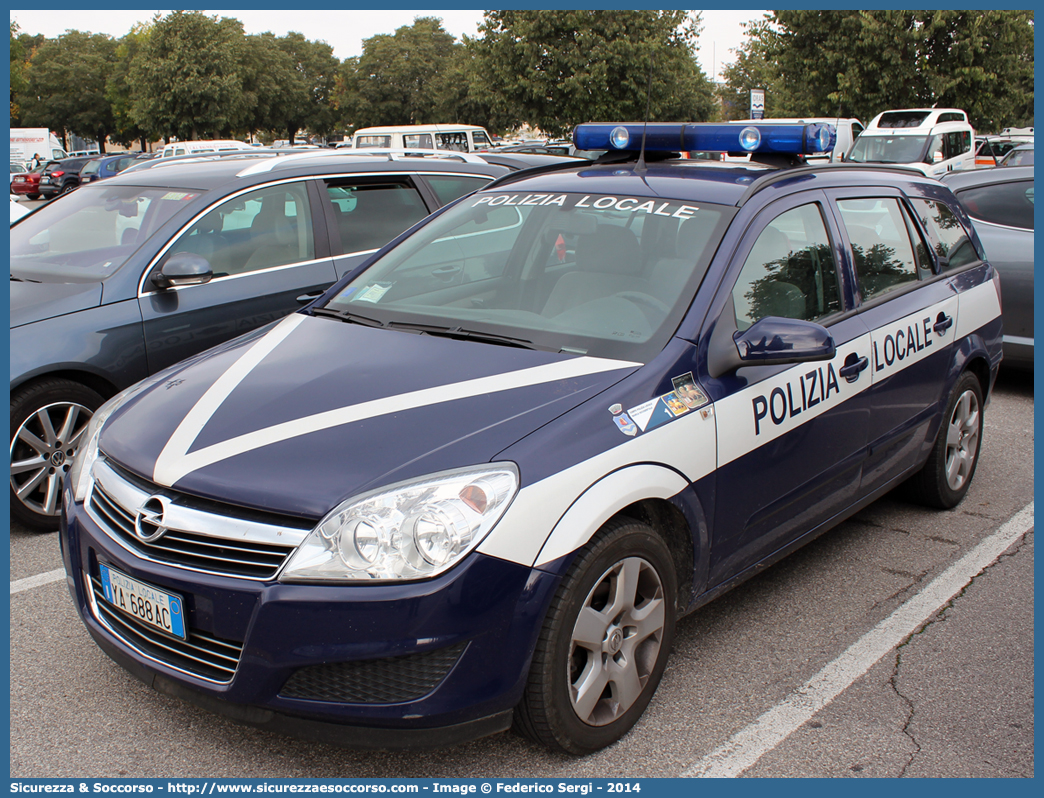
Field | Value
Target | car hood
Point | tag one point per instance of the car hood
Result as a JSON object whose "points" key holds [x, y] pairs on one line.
{"points": [[303, 415], [33, 301]]}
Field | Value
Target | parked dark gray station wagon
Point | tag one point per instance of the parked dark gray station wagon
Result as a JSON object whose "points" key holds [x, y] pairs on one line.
{"points": [[1000, 200], [127, 276]]}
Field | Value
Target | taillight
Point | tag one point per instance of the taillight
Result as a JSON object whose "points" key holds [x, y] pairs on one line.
{"points": [[58, 173]]}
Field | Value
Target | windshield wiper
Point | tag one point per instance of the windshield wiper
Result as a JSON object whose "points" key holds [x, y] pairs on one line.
{"points": [[462, 334], [344, 315]]}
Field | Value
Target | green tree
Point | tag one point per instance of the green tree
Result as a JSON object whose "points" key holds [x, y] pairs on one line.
{"points": [[188, 80], [17, 83], [269, 81], [397, 79], [755, 68], [555, 69], [65, 85], [309, 106], [859, 63], [119, 91], [981, 61]]}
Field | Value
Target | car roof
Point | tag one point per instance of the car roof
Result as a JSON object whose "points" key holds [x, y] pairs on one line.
{"points": [[209, 173], [524, 160], [721, 183], [957, 181]]}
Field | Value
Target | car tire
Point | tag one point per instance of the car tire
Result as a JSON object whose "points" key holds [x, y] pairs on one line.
{"points": [[33, 196], [604, 643], [946, 477], [48, 419]]}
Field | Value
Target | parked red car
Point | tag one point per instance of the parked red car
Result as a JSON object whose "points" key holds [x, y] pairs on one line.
{"points": [[28, 183]]}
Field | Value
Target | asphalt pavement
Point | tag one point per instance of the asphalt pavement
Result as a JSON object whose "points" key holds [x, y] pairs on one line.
{"points": [[745, 688]]}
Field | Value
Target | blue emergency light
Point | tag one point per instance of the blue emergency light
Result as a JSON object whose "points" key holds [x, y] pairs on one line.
{"points": [[681, 137]]}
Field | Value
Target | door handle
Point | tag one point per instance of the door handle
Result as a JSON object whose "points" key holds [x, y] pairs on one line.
{"points": [[942, 324], [304, 299], [851, 371]]}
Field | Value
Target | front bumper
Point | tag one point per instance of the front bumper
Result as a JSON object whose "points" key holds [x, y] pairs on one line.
{"points": [[372, 666]]}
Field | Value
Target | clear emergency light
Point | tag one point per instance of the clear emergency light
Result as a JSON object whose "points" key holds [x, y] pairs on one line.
{"points": [[682, 137]]}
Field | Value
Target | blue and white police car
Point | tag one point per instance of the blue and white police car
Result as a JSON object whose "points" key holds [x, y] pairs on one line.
{"points": [[478, 481]]}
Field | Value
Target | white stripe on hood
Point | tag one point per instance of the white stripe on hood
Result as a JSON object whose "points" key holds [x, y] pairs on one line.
{"points": [[174, 462]]}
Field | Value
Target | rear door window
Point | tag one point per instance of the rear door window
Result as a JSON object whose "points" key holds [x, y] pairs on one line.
{"points": [[450, 187], [418, 141], [882, 251], [369, 215]]}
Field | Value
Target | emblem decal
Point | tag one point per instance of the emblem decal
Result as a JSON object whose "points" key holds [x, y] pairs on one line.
{"points": [[148, 521]]}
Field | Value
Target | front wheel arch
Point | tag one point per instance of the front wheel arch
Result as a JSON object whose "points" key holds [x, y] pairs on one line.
{"points": [[604, 642]]}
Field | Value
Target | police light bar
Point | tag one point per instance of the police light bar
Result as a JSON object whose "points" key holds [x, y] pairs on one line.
{"points": [[681, 137]]}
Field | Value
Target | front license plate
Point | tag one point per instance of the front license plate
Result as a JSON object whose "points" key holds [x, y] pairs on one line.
{"points": [[157, 608]]}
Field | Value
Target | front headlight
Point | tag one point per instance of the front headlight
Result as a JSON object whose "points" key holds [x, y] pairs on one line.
{"points": [[87, 451], [412, 530]]}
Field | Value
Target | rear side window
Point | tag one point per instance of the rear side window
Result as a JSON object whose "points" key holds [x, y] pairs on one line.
{"points": [[1009, 204], [370, 215], [450, 187], [90, 167], [949, 238]]}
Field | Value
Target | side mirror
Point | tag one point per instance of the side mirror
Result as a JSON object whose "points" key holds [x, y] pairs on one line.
{"points": [[774, 339], [183, 268]]}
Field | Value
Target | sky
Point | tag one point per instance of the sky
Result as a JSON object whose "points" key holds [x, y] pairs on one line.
{"points": [[345, 30]]}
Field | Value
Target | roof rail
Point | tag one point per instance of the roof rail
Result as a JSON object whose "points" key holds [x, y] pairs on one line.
{"points": [[415, 152], [152, 163], [783, 174], [522, 174]]}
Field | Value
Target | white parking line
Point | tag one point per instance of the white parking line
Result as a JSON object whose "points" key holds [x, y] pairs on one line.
{"points": [[19, 585], [747, 746]]}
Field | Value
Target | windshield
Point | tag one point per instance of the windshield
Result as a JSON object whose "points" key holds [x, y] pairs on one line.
{"points": [[88, 234], [609, 276], [888, 149]]}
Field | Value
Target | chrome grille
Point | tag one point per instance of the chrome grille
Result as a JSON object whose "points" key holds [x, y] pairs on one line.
{"points": [[202, 536], [201, 655]]}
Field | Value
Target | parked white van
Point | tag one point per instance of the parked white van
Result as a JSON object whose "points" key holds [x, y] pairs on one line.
{"points": [[196, 147], [461, 138], [847, 130], [934, 140]]}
